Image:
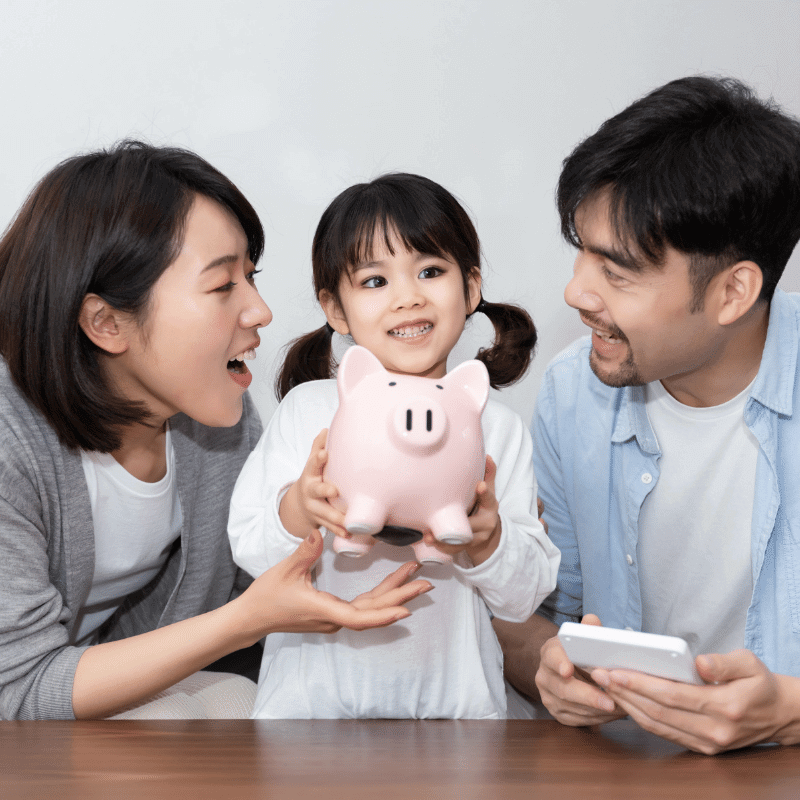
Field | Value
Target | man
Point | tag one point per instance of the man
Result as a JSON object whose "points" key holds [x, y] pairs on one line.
{"points": [[667, 444]]}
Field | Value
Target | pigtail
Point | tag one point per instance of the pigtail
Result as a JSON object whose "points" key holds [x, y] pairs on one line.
{"points": [[308, 358], [514, 343]]}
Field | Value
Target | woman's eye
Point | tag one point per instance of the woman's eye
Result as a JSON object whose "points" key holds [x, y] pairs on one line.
{"points": [[374, 282], [225, 287], [431, 272], [251, 276]]}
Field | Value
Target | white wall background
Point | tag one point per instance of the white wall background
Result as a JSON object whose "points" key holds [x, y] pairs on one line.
{"points": [[298, 99]]}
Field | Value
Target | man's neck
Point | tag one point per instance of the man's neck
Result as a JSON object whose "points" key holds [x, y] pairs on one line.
{"points": [[731, 370]]}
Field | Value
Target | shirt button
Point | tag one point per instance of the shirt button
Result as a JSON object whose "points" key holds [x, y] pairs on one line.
{"points": [[629, 559], [647, 478]]}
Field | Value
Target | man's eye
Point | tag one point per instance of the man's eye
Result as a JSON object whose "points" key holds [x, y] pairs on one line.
{"points": [[375, 282]]}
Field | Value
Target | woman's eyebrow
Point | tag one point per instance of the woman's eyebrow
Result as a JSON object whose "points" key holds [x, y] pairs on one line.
{"points": [[221, 261]]}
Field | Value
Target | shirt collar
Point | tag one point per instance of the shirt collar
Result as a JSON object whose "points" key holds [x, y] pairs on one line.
{"points": [[774, 384], [632, 421]]}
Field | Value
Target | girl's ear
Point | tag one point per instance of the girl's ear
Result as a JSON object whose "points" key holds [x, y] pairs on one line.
{"points": [[474, 282], [333, 312], [103, 324]]}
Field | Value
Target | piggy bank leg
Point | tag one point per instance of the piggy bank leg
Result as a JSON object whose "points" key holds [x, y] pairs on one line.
{"points": [[354, 547], [364, 515], [451, 526], [426, 554]]}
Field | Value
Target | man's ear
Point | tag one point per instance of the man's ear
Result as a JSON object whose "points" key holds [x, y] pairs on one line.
{"points": [[333, 312], [103, 324], [740, 289]]}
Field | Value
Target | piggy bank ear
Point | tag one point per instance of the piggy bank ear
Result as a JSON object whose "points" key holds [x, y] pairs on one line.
{"points": [[356, 364], [472, 377]]}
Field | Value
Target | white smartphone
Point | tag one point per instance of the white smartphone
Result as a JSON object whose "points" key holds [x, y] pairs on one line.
{"points": [[590, 646]]}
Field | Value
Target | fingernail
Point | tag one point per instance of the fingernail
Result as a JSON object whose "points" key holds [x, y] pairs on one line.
{"points": [[605, 704]]}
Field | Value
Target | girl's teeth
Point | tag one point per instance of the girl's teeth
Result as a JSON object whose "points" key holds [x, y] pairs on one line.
{"points": [[409, 332]]}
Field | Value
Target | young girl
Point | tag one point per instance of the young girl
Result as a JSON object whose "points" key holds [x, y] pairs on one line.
{"points": [[396, 268]]}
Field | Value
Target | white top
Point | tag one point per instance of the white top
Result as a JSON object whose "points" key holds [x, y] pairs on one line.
{"points": [[442, 662], [135, 525], [694, 526]]}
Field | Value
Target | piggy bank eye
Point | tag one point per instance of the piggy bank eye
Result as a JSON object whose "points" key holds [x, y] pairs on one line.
{"points": [[439, 387], [392, 383]]}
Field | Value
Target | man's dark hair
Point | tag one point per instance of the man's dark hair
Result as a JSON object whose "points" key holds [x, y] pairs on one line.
{"points": [[702, 165], [109, 223]]}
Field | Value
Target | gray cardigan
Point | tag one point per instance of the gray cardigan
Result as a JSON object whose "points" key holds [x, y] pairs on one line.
{"points": [[47, 549]]}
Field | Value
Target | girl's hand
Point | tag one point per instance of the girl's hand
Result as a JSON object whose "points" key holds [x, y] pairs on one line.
{"points": [[306, 505], [284, 598], [484, 520]]}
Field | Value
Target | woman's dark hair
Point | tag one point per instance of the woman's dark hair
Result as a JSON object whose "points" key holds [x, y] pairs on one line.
{"points": [[109, 223], [426, 218], [700, 164]]}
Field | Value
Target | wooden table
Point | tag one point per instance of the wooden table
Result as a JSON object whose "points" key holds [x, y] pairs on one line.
{"points": [[329, 760]]}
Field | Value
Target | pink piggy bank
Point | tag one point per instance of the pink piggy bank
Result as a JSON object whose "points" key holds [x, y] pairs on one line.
{"points": [[406, 454]]}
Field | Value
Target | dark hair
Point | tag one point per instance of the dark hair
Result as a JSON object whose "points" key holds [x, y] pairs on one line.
{"points": [[425, 217], [702, 165], [108, 222]]}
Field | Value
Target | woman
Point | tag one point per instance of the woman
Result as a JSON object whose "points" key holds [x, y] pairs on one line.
{"points": [[127, 312]]}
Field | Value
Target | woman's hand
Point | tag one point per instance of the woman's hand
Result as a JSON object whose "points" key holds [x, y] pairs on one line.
{"points": [[306, 504], [284, 598]]}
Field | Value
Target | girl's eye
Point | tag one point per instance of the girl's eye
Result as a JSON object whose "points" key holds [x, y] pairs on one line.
{"points": [[375, 282], [431, 272]]}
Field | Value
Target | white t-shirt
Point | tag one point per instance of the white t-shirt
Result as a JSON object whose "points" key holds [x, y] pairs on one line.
{"points": [[444, 661], [694, 527], [135, 525]]}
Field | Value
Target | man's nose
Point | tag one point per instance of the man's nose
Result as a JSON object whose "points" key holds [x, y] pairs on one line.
{"points": [[580, 294]]}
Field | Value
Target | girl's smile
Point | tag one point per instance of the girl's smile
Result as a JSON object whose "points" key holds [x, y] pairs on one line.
{"points": [[407, 308]]}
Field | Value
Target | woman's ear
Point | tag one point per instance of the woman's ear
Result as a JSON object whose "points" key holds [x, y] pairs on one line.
{"points": [[103, 324], [741, 288], [333, 312], [474, 283]]}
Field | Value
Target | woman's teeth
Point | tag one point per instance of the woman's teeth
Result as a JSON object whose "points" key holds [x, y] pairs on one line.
{"points": [[236, 364], [411, 331]]}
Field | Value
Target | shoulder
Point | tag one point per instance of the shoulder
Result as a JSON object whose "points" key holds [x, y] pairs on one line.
{"points": [[23, 430], [310, 399]]}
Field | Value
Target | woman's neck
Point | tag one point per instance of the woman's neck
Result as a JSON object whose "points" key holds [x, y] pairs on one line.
{"points": [[144, 452]]}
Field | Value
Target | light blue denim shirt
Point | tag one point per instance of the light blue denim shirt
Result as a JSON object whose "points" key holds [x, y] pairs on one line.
{"points": [[596, 459]]}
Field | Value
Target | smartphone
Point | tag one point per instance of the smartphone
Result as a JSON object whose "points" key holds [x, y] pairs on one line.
{"points": [[590, 646]]}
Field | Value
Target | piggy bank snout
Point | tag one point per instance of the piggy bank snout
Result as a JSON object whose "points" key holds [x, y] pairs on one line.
{"points": [[418, 424]]}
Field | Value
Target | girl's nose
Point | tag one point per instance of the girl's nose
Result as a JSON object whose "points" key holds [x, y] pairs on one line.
{"points": [[408, 295]]}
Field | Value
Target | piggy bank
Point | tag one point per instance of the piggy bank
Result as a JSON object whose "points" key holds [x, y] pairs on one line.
{"points": [[406, 454]]}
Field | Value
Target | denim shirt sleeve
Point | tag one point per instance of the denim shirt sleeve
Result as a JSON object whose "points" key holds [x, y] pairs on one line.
{"points": [[565, 602]]}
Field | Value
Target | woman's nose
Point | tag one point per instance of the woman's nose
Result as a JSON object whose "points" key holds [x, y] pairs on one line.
{"points": [[257, 313]]}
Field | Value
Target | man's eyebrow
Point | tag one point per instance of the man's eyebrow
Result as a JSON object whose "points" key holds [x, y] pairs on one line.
{"points": [[621, 258], [221, 261]]}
